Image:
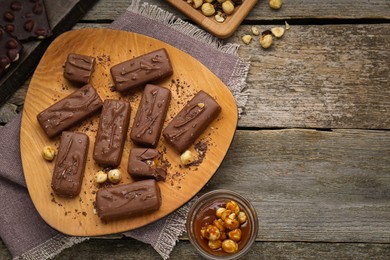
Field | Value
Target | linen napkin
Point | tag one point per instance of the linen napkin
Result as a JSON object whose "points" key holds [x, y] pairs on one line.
{"points": [[25, 234]]}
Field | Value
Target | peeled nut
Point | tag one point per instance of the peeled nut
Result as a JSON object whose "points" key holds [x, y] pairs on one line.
{"points": [[212, 233], [255, 30], [101, 177], [241, 217], [197, 3], [233, 206], [231, 223], [225, 214], [208, 9], [219, 18], [114, 176], [219, 212], [275, 4], [235, 234], [228, 7], [246, 39], [219, 224], [277, 31], [187, 157], [266, 39], [48, 153], [229, 246], [215, 244]]}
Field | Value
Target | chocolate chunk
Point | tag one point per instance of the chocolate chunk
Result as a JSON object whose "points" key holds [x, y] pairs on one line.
{"points": [[70, 110], [10, 50], [70, 164], [145, 163], [23, 19], [112, 132], [141, 70], [137, 198], [191, 121], [150, 116], [79, 68]]}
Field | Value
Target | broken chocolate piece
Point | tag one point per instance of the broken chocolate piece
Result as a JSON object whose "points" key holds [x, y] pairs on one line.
{"points": [[112, 132], [141, 70], [78, 68], [151, 113], [25, 19], [191, 121], [70, 164], [10, 50], [70, 110], [144, 163], [137, 198]]}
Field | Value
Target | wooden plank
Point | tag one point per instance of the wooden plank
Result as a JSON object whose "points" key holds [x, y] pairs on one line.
{"points": [[298, 9], [62, 16]]}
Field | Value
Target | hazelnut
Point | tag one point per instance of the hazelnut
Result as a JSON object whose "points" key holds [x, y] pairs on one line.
{"points": [[231, 223], [114, 176], [241, 217], [235, 234], [225, 214], [255, 30], [215, 244], [203, 232], [277, 31], [266, 39], [187, 157], [212, 232], [101, 177], [233, 206], [219, 224], [208, 9], [48, 153], [275, 4], [246, 39], [228, 7], [229, 246], [219, 18], [197, 3], [219, 212]]}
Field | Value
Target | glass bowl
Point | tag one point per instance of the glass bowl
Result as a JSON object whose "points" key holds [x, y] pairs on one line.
{"points": [[202, 213]]}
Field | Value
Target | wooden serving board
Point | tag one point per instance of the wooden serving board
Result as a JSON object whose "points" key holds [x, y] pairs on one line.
{"points": [[76, 216], [221, 30]]}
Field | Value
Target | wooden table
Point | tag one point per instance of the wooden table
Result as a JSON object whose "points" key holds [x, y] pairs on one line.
{"points": [[312, 150]]}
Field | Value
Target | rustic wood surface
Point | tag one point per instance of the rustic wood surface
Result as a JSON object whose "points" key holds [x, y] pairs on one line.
{"points": [[313, 146]]}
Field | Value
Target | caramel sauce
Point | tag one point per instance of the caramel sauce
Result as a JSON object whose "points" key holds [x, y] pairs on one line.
{"points": [[207, 215]]}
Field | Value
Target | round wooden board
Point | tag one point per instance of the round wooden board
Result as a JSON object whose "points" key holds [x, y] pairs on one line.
{"points": [[76, 216]]}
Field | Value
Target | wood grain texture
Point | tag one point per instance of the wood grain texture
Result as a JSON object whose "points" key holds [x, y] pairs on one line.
{"points": [[75, 216], [292, 9]]}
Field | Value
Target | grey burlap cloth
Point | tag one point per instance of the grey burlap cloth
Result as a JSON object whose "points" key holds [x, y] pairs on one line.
{"points": [[24, 233]]}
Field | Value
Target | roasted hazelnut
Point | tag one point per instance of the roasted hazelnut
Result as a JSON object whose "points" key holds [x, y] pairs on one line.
{"points": [[219, 212], [233, 206], [208, 9], [187, 157], [101, 177], [203, 232], [231, 223], [266, 39], [255, 30], [219, 224], [246, 39], [275, 4], [114, 176], [229, 246], [235, 234], [228, 7], [48, 153], [212, 232], [277, 31], [241, 217], [225, 214], [215, 244], [197, 3]]}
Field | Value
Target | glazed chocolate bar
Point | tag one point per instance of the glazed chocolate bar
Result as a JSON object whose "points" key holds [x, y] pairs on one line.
{"points": [[141, 70], [112, 132], [78, 68], [150, 116], [145, 163], [10, 49], [25, 19], [137, 198], [70, 164], [70, 110], [191, 121]]}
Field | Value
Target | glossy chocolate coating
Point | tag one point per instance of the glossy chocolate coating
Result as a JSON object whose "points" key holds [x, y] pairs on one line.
{"points": [[151, 113], [70, 164], [112, 132], [191, 121], [144, 163], [25, 19], [10, 49], [141, 70], [79, 68], [137, 198], [70, 110]]}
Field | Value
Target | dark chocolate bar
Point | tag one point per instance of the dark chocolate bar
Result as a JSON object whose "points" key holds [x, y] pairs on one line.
{"points": [[145, 163], [25, 19], [10, 49], [70, 164], [151, 113], [141, 70], [79, 68], [112, 132], [70, 110], [191, 121], [126, 200]]}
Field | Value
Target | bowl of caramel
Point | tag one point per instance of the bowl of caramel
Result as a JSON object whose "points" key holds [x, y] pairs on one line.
{"points": [[222, 224]]}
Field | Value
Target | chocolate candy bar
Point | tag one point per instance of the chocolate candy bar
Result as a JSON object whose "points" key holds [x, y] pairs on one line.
{"points": [[112, 132], [137, 198], [191, 121], [144, 163], [141, 70], [150, 116], [25, 19], [70, 110], [70, 164], [79, 68], [10, 49]]}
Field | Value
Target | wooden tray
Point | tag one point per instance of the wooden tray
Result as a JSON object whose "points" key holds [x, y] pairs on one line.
{"points": [[221, 30], [76, 216]]}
